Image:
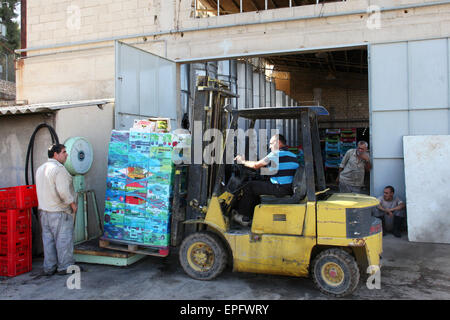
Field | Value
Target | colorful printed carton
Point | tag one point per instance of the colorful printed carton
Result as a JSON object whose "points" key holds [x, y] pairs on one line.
{"points": [[160, 177], [116, 184], [115, 195], [161, 191], [117, 161], [157, 165], [117, 173], [115, 217], [113, 232], [139, 184], [133, 234], [120, 136], [160, 152], [155, 202]]}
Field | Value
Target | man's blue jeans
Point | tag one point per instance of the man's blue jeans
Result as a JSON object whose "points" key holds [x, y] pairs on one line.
{"points": [[57, 237]]}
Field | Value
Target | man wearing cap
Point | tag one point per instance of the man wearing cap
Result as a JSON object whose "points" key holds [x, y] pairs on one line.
{"points": [[57, 208]]}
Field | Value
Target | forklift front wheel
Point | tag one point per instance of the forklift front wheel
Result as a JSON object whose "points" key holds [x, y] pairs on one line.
{"points": [[335, 272], [203, 256]]}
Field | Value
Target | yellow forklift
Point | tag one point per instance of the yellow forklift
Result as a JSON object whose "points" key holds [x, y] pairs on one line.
{"points": [[332, 238]]}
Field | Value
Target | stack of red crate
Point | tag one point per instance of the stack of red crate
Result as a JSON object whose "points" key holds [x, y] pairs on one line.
{"points": [[16, 204]]}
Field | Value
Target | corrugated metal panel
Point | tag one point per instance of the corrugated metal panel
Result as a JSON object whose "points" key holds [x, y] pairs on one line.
{"points": [[52, 106], [145, 86], [409, 95]]}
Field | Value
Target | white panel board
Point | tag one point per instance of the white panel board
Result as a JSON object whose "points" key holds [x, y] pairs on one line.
{"points": [[388, 129], [429, 122], [389, 76], [427, 179], [409, 95], [389, 172], [428, 85]]}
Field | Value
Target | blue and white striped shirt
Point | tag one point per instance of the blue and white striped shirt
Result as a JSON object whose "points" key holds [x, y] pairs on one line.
{"points": [[283, 166]]}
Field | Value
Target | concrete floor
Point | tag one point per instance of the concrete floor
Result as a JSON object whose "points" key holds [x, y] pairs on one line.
{"points": [[410, 271]]}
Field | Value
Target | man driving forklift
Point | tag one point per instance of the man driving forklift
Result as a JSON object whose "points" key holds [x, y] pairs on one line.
{"points": [[282, 170]]}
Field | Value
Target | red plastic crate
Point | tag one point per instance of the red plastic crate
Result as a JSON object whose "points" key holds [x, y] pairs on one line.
{"points": [[15, 265], [12, 244], [21, 197], [15, 220]]}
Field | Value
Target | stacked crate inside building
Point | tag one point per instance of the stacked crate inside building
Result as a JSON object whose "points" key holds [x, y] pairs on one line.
{"points": [[347, 141], [16, 205], [332, 148]]}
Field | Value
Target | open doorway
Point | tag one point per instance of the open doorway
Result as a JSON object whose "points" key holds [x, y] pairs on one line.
{"points": [[336, 79]]}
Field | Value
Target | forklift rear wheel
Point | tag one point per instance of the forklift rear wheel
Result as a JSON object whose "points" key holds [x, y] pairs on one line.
{"points": [[203, 256], [335, 272]]}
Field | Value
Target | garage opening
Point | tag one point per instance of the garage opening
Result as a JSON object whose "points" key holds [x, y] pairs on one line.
{"points": [[336, 79]]}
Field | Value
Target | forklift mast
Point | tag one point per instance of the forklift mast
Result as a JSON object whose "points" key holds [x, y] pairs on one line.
{"points": [[211, 110]]}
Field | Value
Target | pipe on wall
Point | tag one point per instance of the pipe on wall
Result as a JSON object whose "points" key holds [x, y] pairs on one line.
{"points": [[23, 27]]}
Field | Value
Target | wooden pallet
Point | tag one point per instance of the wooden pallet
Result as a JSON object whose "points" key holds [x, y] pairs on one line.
{"points": [[90, 252], [133, 248]]}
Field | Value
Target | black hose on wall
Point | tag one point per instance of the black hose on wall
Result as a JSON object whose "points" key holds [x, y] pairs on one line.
{"points": [[30, 149], [36, 229]]}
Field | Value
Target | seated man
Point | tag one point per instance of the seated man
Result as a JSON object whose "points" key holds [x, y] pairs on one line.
{"points": [[280, 183], [391, 207]]}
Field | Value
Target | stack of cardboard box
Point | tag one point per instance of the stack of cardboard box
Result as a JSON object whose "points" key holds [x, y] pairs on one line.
{"points": [[140, 185]]}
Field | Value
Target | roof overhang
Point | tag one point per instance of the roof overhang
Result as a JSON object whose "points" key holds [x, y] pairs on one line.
{"points": [[52, 106], [279, 112]]}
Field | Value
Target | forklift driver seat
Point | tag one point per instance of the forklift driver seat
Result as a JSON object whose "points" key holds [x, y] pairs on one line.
{"points": [[298, 189]]}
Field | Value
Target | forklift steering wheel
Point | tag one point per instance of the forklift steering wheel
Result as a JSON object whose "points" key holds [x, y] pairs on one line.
{"points": [[240, 175], [244, 172]]}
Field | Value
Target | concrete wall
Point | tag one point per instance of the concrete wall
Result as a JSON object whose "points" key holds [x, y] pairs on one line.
{"points": [[89, 122], [346, 97], [15, 133], [90, 74], [95, 125], [73, 76]]}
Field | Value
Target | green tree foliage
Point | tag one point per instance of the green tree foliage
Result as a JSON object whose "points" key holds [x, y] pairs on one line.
{"points": [[8, 16]]}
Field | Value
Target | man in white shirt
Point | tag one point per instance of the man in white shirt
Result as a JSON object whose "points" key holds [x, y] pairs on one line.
{"points": [[352, 169], [57, 208]]}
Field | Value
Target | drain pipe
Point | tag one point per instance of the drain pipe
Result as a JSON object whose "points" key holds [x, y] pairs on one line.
{"points": [[23, 27]]}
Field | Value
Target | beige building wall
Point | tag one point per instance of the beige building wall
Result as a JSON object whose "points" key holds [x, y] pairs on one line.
{"points": [[58, 27], [15, 133], [89, 122], [95, 125]]}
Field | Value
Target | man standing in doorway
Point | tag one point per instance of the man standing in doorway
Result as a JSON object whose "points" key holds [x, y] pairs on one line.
{"points": [[57, 208], [352, 169], [284, 163]]}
